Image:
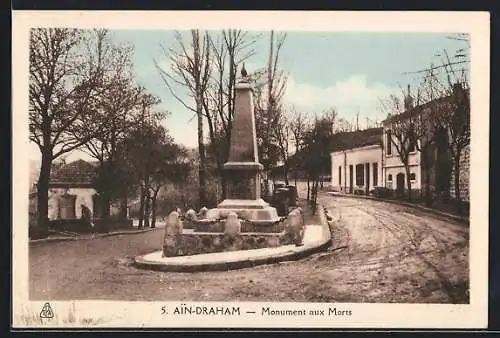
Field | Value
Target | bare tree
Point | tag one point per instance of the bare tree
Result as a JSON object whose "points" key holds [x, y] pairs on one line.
{"points": [[67, 72], [343, 126], [447, 82], [282, 135], [190, 68], [230, 48], [269, 103], [298, 125], [403, 127]]}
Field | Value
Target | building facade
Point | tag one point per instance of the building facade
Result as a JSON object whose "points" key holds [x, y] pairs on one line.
{"points": [[431, 165], [363, 160], [71, 190], [357, 169], [394, 172], [356, 161]]}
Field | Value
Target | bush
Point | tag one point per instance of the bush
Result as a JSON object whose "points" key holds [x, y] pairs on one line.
{"points": [[382, 192]]}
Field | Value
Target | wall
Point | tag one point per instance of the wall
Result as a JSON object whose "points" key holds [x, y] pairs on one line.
{"points": [[200, 243], [83, 196], [369, 154], [394, 166], [394, 171]]}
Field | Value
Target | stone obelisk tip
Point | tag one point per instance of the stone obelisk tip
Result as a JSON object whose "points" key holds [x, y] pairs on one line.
{"points": [[244, 71]]}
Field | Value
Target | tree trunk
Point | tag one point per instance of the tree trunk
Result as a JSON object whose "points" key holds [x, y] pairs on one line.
{"points": [[147, 204], [202, 164], [106, 203], [408, 181], [314, 199], [123, 207], [43, 193], [153, 208], [308, 189], [141, 207], [285, 169]]}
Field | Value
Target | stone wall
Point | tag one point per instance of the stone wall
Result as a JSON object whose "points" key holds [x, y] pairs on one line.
{"points": [[246, 226], [183, 235], [200, 243], [464, 176]]}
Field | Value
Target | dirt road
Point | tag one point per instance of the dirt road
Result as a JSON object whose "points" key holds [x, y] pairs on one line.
{"points": [[380, 253], [394, 253]]}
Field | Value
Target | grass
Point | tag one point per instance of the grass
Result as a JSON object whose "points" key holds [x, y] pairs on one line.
{"points": [[30, 319]]}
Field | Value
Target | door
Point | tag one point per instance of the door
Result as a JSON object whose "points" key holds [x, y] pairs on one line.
{"points": [[351, 181], [400, 183]]}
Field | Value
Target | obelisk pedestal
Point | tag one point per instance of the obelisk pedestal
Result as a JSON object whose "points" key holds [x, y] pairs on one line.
{"points": [[243, 168]]}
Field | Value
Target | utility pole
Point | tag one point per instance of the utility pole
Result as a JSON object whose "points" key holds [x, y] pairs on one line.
{"points": [[357, 120]]}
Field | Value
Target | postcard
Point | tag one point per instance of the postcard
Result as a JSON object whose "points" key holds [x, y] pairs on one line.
{"points": [[250, 169]]}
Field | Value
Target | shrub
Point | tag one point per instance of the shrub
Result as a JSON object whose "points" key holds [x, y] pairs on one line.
{"points": [[382, 192]]}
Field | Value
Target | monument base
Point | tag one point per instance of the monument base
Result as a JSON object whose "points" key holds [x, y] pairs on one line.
{"points": [[257, 211]]}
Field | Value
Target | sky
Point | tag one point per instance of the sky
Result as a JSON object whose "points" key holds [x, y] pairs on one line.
{"points": [[349, 71]]}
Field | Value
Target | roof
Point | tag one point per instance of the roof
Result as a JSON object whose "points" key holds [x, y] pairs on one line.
{"points": [[75, 174], [355, 139], [419, 109]]}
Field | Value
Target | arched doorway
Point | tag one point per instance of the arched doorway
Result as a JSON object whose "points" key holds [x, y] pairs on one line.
{"points": [[400, 184]]}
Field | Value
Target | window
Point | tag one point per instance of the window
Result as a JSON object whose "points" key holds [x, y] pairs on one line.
{"points": [[413, 177], [389, 178], [360, 174], [389, 142], [375, 174], [340, 176]]}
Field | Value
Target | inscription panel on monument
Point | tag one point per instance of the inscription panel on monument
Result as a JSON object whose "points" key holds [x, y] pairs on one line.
{"points": [[242, 187]]}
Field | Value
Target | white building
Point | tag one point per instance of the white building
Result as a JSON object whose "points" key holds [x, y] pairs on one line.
{"points": [[71, 187], [364, 159], [356, 161], [369, 158], [358, 168]]}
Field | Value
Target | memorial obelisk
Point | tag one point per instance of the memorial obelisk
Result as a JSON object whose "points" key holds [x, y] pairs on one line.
{"points": [[243, 170]]}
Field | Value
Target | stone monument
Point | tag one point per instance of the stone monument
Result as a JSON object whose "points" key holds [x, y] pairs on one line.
{"points": [[243, 170]]}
